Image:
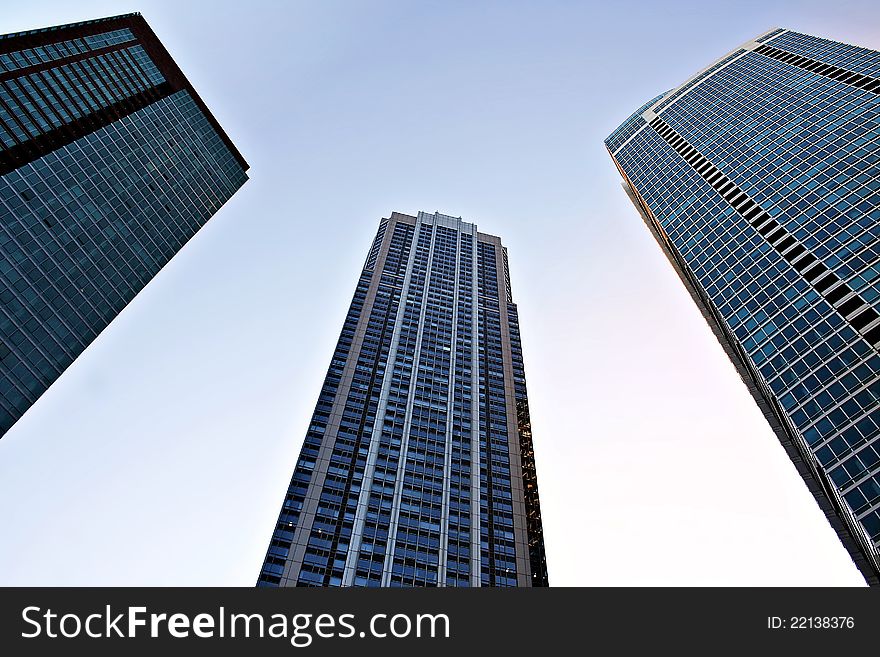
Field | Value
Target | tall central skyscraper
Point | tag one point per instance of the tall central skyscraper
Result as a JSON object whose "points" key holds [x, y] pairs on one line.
{"points": [[109, 163], [760, 179], [417, 467]]}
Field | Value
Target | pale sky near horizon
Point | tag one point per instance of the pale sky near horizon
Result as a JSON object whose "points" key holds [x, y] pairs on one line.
{"points": [[162, 455]]}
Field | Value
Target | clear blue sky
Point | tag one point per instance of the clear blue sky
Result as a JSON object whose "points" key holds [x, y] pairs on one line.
{"points": [[162, 455]]}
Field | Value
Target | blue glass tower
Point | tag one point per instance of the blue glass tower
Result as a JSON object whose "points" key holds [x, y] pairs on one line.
{"points": [[417, 467], [109, 163], [760, 179]]}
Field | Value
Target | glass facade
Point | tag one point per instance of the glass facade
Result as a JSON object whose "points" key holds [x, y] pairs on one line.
{"points": [[760, 179], [109, 166], [417, 467]]}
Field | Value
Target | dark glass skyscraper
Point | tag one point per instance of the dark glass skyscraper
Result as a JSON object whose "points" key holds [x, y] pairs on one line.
{"points": [[417, 467], [109, 163], [760, 179]]}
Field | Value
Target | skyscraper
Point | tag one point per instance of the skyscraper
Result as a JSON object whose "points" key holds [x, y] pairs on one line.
{"points": [[109, 163], [759, 179], [417, 467]]}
